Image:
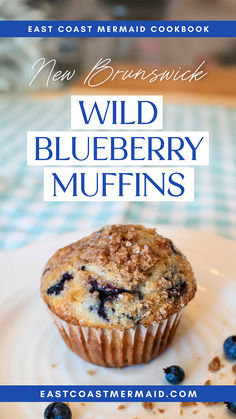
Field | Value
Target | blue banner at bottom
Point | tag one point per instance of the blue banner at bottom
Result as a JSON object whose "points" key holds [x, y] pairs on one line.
{"points": [[164, 393]]}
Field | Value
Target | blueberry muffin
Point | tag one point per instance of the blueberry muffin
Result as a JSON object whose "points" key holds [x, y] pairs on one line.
{"points": [[118, 294]]}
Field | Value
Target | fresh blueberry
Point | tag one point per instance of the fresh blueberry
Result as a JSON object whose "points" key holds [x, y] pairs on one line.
{"points": [[57, 411], [174, 374], [230, 347], [231, 406]]}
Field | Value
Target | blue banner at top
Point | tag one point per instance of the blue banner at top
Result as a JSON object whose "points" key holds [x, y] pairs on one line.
{"points": [[100, 28]]}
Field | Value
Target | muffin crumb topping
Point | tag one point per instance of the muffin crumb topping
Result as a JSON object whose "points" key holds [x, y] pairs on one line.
{"points": [[147, 405], [121, 407], [207, 383], [161, 410], [215, 364]]}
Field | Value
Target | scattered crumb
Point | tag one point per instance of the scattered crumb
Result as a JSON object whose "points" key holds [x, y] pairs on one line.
{"points": [[147, 405], [215, 364], [234, 368], [210, 415], [199, 358], [195, 412], [184, 404], [209, 403], [222, 374], [154, 412], [121, 407], [161, 410], [82, 404], [91, 372], [207, 383], [54, 365], [135, 417], [235, 382], [181, 412]]}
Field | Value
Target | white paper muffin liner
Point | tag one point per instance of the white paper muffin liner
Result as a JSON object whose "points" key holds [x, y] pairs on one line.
{"points": [[119, 348]]}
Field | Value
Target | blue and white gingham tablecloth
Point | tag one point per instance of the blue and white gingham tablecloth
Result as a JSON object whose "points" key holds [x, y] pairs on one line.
{"points": [[25, 217]]}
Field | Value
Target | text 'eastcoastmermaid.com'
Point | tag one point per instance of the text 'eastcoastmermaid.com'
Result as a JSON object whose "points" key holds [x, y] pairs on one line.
{"points": [[119, 394]]}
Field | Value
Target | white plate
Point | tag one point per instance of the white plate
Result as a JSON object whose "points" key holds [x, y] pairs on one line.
{"points": [[30, 343]]}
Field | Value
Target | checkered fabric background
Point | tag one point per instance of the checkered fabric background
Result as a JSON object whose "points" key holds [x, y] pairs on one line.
{"points": [[25, 217]]}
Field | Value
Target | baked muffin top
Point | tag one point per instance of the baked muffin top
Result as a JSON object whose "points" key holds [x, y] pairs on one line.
{"points": [[119, 276]]}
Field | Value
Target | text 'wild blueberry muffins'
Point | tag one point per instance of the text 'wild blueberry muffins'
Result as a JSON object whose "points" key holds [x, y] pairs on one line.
{"points": [[117, 295]]}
